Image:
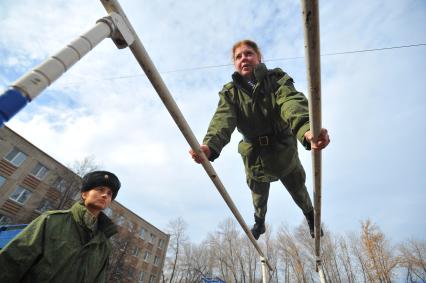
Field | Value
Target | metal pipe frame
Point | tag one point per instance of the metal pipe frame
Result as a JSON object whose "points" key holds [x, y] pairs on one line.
{"points": [[31, 84], [163, 92], [310, 17]]}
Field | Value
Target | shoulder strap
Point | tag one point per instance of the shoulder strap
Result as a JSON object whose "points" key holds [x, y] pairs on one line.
{"points": [[278, 77], [232, 89], [229, 85]]}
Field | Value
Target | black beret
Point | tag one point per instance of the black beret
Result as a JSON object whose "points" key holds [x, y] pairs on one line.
{"points": [[101, 178]]}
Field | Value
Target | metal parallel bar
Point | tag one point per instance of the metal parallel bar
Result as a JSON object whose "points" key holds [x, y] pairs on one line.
{"points": [[157, 82], [310, 17], [35, 81], [31, 84]]}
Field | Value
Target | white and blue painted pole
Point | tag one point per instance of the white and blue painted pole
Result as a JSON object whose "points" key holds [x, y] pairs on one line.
{"points": [[11, 102], [29, 86]]}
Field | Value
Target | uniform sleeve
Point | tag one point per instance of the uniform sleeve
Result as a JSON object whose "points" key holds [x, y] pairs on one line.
{"points": [[222, 125], [294, 108], [101, 277], [19, 255]]}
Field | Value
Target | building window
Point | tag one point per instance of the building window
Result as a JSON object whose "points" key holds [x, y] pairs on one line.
{"points": [[4, 220], [151, 278], [120, 220], [156, 260], [16, 157], [2, 180], [130, 272], [20, 195], [141, 276], [161, 243], [152, 238], [131, 226], [142, 233], [108, 212], [39, 171], [135, 251], [146, 256], [44, 205], [60, 184]]}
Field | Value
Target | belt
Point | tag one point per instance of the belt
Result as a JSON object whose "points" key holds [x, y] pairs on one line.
{"points": [[264, 140]]}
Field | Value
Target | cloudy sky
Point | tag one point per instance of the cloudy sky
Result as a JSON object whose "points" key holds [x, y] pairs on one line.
{"points": [[373, 104]]}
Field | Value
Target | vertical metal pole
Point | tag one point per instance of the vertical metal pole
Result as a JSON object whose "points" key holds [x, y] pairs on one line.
{"points": [[163, 92], [310, 16], [312, 51], [264, 270], [321, 274]]}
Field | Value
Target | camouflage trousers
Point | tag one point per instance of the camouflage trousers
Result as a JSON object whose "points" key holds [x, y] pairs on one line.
{"points": [[294, 182]]}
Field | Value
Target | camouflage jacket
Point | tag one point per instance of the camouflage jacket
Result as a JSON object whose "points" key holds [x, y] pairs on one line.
{"points": [[59, 247], [272, 107]]}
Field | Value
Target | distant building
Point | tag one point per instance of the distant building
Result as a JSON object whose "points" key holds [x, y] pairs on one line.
{"points": [[32, 182]]}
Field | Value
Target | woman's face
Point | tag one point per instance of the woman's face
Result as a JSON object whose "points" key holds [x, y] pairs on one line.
{"points": [[245, 59]]}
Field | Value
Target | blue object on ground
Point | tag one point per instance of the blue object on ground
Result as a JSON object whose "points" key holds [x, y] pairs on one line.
{"points": [[211, 280], [8, 232]]}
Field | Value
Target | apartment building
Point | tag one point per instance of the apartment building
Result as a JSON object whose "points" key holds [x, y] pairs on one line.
{"points": [[32, 182]]}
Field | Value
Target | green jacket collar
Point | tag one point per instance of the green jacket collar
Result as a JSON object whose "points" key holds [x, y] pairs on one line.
{"points": [[85, 219], [259, 74]]}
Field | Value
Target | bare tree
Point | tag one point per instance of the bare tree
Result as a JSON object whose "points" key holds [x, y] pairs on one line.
{"points": [[331, 261], [68, 184], [291, 253], [229, 241], [269, 245], [251, 258], [226, 253], [124, 244], [210, 247], [194, 263], [215, 263], [82, 167], [380, 258], [413, 258], [177, 230], [346, 260], [361, 260]]}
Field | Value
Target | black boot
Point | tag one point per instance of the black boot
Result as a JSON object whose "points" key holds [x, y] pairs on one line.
{"points": [[310, 219], [258, 227]]}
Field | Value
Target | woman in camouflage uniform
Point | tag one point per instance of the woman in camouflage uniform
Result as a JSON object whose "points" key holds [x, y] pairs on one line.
{"points": [[271, 115]]}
